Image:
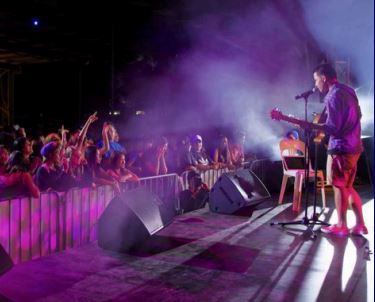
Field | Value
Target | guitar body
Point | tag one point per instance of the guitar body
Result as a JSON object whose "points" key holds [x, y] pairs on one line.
{"points": [[319, 119]]}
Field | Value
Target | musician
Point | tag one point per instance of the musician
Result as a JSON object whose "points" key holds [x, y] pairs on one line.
{"points": [[344, 147]]}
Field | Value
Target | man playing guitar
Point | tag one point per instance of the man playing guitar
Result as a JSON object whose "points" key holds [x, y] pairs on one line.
{"points": [[344, 146]]}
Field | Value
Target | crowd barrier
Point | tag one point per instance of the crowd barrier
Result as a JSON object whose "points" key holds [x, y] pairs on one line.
{"points": [[34, 227], [209, 177]]}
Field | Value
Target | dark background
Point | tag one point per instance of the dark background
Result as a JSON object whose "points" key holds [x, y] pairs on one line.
{"points": [[86, 57]]}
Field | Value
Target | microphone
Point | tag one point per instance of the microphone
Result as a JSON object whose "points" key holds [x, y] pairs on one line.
{"points": [[305, 94]]}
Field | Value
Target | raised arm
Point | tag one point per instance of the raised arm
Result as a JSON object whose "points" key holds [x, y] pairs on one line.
{"points": [[105, 147], [82, 135], [63, 132]]}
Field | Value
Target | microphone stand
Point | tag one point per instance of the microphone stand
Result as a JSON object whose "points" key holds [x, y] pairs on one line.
{"points": [[315, 217], [308, 222]]}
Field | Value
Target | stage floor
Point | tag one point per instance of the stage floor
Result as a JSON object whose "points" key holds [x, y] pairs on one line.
{"points": [[204, 256]]}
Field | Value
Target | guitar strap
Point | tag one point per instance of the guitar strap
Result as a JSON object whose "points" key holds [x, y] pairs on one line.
{"points": [[323, 116]]}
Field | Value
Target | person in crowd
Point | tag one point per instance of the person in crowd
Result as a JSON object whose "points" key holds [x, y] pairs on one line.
{"points": [[20, 131], [76, 148], [52, 137], [4, 156], [118, 169], [113, 144], [221, 154], [51, 175], [89, 141], [73, 139], [36, 159], [154, 162], [80, 139], [16, 162], [17, 181], [200, 160], [196, 196], [94, 174], [55, 137], [237, 150], [291, 136], [136, 158], [172, 154], [23, 145], [185, 158], [75, 164]]}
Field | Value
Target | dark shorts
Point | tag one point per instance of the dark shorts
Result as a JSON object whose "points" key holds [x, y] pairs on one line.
{"points": [[341, 169]]}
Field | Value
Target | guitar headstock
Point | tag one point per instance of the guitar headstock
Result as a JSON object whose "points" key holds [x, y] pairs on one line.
{"points": [[276, 114]]}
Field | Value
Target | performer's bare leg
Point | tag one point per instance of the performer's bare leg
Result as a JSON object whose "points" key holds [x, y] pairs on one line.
{"points": [[356, 203], [341, 197]]}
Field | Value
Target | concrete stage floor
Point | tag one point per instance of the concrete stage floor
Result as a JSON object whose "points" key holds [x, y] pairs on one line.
{"points": [[203, 256]]}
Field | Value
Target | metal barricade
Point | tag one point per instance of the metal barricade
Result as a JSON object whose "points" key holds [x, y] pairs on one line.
{"points": [[34, 227], [209, 177], [30, 227], [165, 186]]}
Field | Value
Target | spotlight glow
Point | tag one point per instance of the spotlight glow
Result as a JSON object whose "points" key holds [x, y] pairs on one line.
{"points": [[35, 22], [367, 109]]}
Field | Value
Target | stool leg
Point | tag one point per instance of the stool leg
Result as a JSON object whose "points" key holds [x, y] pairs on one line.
{"points": [[297, 191]]}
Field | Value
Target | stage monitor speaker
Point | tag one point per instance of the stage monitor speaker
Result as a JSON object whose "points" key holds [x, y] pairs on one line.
{"points": [[130, 218], [236, 190]]}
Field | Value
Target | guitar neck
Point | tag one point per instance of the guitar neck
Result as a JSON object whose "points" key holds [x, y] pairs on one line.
{"points": [[277, 115], [302, 124], [295, 121]]}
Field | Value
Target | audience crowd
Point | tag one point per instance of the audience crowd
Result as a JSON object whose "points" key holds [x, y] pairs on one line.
{"points": [[62, 160]]}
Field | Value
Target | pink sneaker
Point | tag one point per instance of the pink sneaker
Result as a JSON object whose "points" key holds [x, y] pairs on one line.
{"points": [[335, 230], [359, 230]]}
